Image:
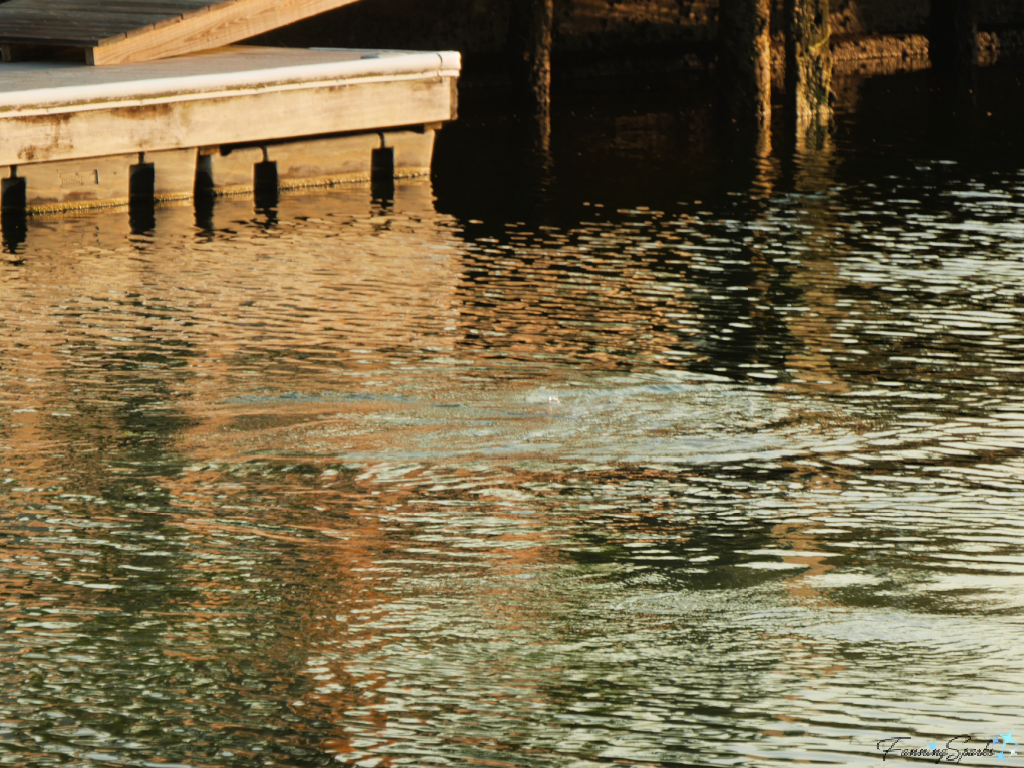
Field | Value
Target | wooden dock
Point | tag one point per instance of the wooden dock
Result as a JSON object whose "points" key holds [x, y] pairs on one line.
{"points": [[123, 31], [75, 136]]}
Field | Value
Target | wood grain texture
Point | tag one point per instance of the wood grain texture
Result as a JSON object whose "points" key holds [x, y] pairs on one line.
{"points": [[69, 184], [175, 173], [120, 32], [414, 151], [41, 87], [323, 162], [250, 117]]}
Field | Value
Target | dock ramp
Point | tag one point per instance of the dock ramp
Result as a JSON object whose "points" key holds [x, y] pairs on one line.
{"points": [[126, 31]]}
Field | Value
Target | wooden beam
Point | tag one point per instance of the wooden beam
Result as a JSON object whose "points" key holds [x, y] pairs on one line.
{"points": [[216, 121], [144, 30], [211, 27], [808, 70], [744, 67], [538, 54]]}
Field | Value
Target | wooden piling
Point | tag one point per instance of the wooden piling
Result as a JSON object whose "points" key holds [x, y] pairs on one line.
{"points": [[808, 70], [541, 23], [953, 35], [744, 63]]}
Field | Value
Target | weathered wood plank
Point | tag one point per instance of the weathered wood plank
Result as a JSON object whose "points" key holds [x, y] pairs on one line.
{"points": [[122, 32], [223, 24], [249, 68], [69, 184], [216, 121], [317, 162], [323, 162], [174, 173], [229, 174], [118, 6]]}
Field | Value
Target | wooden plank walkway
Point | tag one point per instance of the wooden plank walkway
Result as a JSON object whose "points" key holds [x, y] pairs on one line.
{"points": [[74, 136], [230, 95], [125, 31]]}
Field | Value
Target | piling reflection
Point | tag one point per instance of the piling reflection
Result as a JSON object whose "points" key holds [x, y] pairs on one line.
{"points": [[14, 227], [659, 456]]}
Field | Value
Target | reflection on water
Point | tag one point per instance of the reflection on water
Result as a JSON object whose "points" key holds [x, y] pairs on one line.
{"points": [[631, 453]]}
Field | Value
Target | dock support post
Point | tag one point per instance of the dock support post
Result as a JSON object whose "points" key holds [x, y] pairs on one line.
{"points": [[538, 55], [953, 35], [745, 68], [539, 34], [808, 70]]}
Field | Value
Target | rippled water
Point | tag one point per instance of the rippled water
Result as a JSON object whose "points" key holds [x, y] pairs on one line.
{"points": [[627, 453]]}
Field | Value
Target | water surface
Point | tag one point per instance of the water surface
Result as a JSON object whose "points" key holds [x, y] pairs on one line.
{"points": [[629, 452]]}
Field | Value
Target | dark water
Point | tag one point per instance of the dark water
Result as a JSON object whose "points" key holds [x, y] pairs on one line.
{"points": [[628, 453]]}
